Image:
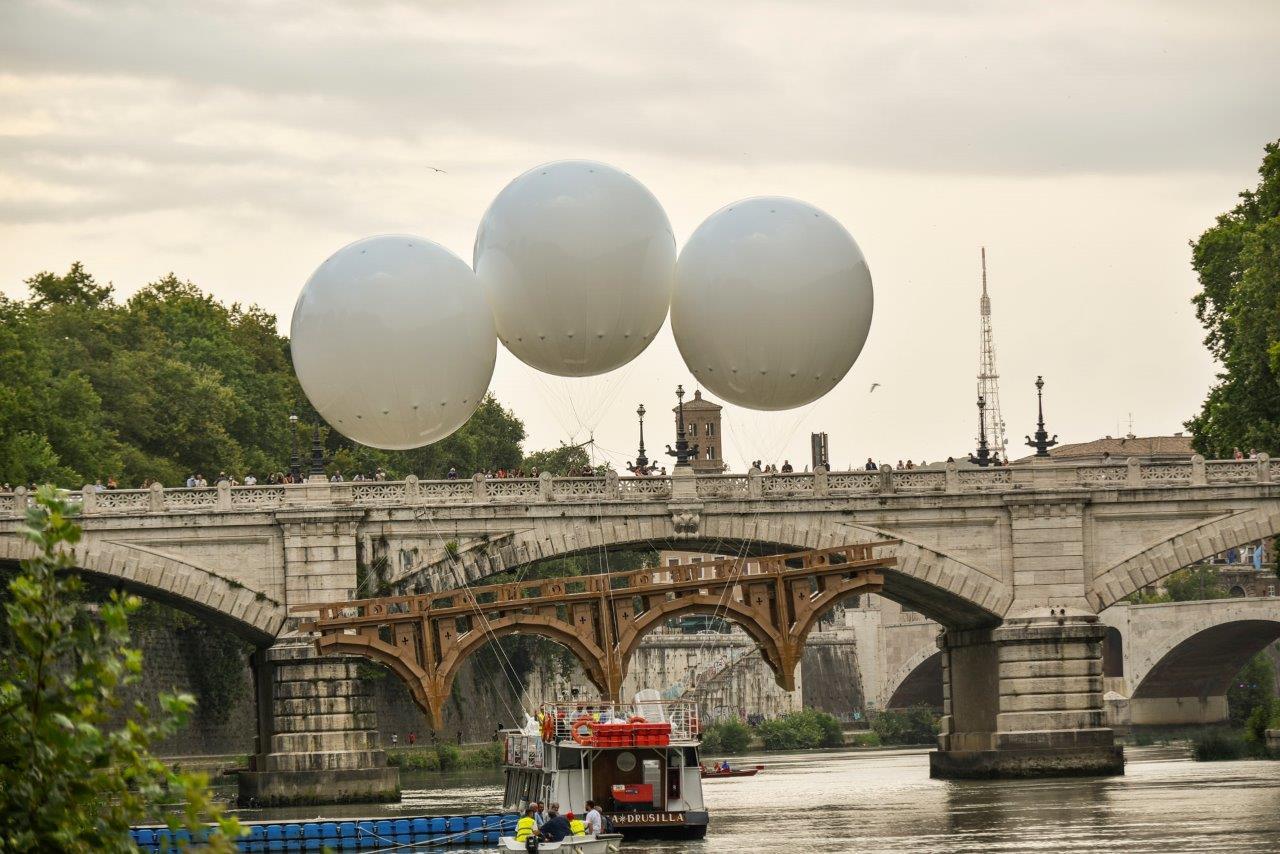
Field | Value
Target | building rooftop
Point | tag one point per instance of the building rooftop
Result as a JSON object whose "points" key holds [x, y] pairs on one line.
{"points": [[697, 402], [1175, 447]]}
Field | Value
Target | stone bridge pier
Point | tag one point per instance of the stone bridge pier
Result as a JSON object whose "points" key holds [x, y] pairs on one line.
{"points": [[1025, 699]]}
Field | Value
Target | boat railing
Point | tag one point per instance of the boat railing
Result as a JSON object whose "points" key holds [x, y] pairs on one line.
{"points": [[560, 718]]}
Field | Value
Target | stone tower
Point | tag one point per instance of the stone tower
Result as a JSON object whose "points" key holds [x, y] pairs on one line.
{"points": [[702, 428]]}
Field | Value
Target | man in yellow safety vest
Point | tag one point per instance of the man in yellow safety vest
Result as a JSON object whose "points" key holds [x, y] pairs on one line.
{"points": [[527, 826], [576, 826]]}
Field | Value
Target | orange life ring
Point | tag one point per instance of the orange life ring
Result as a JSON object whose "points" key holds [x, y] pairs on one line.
{"points": [[584, 721], [548, 728], [636, 719]]}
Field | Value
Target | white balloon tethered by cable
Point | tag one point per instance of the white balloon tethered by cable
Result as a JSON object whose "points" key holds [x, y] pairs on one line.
{"points": [[577, 259], [393, 341], [772, 303]]}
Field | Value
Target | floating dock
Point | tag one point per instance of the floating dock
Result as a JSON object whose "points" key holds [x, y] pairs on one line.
{"points": [[347, 835]]}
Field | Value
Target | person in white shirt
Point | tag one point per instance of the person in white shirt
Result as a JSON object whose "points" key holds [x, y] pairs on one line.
{"points": [[593, 820], [250, 480]]}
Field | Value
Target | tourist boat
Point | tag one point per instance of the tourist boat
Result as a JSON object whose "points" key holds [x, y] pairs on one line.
{"points": [[638, 762], [714, 773]]}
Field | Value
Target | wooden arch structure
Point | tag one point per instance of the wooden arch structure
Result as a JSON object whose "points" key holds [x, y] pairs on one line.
{"points": [[424, 638]]}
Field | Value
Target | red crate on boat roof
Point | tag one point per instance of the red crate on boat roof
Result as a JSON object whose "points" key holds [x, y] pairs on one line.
{"points": [[633, 793]]}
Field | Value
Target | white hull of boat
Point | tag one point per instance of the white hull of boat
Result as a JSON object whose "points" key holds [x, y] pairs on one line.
{"points": [[603, 844]]}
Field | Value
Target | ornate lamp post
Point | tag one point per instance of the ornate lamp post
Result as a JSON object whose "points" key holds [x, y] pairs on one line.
{"points": [[683, 452], [1042, 442], [295, 462], [317, 452], [642, 461], [983, 457]]}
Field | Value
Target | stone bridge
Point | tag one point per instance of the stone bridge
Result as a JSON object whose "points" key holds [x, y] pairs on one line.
{"points": [[1166, 664], [1015, 563]]}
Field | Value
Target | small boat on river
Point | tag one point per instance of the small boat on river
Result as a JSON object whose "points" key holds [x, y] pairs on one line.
{"points": [[714, 773], [605, 843]]}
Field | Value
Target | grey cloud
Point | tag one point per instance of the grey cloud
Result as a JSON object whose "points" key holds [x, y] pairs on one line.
{"points": [[982, 89]]}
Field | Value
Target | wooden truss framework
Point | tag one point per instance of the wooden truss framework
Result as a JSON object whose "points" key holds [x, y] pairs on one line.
{"points": [[424, 638]]}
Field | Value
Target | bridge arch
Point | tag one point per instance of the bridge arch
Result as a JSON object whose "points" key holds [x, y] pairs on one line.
{"points": [[1200, 659], [938, 585], [179, 584], [920, 684], [1198, 542]]}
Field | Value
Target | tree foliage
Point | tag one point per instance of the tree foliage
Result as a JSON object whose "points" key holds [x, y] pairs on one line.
{"points": [[804, 730], [173, 382], [1252, 688], [1189, 584], [1238, 263], [916, 725], [66, 783], [731, 737]]}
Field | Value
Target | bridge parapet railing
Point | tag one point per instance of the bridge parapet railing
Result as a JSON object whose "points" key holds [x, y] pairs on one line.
{"points": [[724, 486], [645, 487], [914, 480], [731, 487], [1231, 471], [853, 482]]}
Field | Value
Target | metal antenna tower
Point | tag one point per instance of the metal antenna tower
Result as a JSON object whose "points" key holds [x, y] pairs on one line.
{"points": [[988, 378]]}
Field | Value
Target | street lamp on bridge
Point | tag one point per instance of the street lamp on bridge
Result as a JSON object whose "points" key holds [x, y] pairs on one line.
{"points": [[295, 461], [983, 457], [1042, 442], [642, 462], [683, 452]]}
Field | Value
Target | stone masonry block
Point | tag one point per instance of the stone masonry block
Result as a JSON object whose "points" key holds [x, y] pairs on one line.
{"points": [[1052, 668], [318, 723], [317, 742], [1051, 720], [1054, 702], [351, 760], [1021, 686]]}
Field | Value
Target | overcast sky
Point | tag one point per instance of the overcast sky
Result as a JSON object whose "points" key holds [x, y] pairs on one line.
{"points": [[238, 144]]}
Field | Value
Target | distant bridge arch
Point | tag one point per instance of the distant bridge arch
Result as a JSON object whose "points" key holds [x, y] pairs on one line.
{"points": [[179, 584], [1193, 544]]}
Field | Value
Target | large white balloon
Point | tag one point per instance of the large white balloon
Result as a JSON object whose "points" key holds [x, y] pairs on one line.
{"points": [[772, 303], [577, 259], [393, 341]]}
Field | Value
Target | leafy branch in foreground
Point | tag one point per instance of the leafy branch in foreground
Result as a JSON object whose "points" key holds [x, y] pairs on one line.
{"points": [[66, 783]]}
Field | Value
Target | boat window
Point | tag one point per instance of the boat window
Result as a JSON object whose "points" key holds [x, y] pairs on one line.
{"points": [[569, 758], [626, 761], [691, 756]]}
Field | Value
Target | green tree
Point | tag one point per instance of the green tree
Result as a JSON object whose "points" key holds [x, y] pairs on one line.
{"points": [[1253, 687], [67, 784], [1238, 263], [560, 461], [916, 725], [174, 382]]}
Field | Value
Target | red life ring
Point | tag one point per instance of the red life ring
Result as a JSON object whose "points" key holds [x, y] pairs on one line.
{"points": [[587, 739], [636, 719]]}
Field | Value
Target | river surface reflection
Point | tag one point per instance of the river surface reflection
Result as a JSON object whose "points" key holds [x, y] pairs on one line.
{"points": [[885, 801]]}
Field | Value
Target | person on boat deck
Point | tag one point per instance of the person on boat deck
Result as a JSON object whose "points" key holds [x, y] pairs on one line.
{"points": [[576, 825], [593, 821], [527, 826], [556, 827]]}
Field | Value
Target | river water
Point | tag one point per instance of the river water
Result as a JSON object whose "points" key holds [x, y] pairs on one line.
{"points": [[884, 801]]}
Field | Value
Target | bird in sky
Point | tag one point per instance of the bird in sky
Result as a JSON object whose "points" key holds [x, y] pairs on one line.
{"points": [[874, 386], [434, 169]]}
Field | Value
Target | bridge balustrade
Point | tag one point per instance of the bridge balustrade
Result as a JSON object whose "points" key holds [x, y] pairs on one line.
{"points": [[731, 487]]}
